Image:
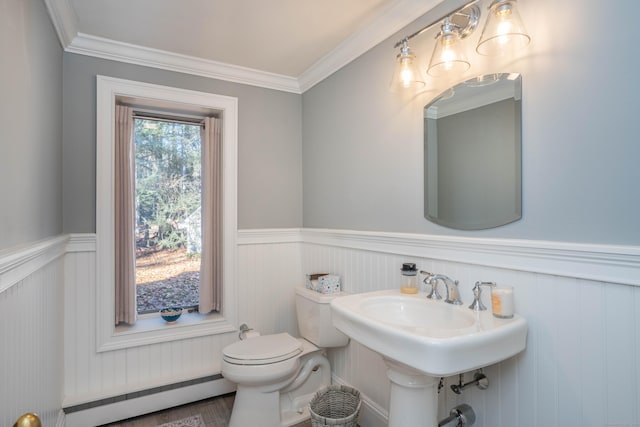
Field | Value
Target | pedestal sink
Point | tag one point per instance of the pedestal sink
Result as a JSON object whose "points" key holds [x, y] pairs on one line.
{"points": [[422, 340]]}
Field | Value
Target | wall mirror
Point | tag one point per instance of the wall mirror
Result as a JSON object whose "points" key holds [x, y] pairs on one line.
{"points": [[472, 150]]}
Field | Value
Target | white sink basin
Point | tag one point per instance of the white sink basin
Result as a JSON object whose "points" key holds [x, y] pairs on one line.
{"points": [[433, 337]]}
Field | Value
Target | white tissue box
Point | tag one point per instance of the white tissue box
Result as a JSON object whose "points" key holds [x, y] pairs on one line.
{"points": [[329, 284]]}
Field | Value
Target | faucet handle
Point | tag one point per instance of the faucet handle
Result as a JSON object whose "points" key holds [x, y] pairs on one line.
{"points": [[431, 280], [477, 304]]}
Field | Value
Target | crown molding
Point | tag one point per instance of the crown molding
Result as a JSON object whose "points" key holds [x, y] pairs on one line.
{"points": [[64, 20], [99, 47], [391, 20]]}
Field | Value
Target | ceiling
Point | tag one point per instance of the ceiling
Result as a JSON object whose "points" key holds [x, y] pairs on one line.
{"points": [[282, 44]]}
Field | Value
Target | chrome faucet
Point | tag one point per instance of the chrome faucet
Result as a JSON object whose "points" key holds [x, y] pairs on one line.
{"points": [[451, 286], [477, 304], [430, 280]]}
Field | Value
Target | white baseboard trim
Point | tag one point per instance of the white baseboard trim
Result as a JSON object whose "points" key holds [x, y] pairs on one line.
{"points": [[147, 404], [371, 414]]}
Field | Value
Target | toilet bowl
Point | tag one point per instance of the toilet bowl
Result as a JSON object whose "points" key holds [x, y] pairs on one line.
{"points": [[277, 375]]}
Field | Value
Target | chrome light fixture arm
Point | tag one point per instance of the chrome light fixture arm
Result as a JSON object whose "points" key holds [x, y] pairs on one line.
{"points": [[464, 20]]}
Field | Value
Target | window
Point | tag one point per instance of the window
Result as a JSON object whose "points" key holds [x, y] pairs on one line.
{"points": [[159, 98], [168, 219]]}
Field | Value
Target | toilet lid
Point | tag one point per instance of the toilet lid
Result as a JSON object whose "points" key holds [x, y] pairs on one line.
{"points": [[263, 350]]}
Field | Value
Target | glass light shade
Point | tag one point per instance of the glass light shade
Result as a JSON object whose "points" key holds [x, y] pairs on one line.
{"points": [[448, 56], [406, 75], [504, 31]]}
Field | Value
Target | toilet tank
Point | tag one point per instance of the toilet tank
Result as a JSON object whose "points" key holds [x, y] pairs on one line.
{"points": [[314, 318]]}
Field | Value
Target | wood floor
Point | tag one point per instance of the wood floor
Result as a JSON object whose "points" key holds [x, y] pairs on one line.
{"points": [[215, 412]]}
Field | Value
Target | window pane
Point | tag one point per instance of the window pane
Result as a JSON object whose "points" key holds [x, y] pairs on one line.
{"points": [[168, 189]]}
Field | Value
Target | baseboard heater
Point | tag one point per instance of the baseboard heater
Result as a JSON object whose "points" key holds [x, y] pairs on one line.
{"points": [[139, 394]]}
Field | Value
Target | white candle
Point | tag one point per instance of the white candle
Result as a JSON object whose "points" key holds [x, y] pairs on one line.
{"points": [[502, 301]]}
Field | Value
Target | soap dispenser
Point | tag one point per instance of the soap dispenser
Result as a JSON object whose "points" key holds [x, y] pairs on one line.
{"points": [[409, 283]]}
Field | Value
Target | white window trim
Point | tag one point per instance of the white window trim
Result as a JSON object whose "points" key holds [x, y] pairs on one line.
{"points": [[149, 331]]}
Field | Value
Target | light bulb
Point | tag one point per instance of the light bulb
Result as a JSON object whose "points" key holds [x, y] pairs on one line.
{"points": [[504, 31], [505, 26], [406, 74], [447, 56]]}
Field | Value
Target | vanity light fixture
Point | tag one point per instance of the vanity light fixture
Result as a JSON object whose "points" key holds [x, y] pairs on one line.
{"points": [[504, 31], [406, 74]]}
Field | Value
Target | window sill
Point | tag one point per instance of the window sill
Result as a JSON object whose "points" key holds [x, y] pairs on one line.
{"points": [[151, 322], [153, 329]]}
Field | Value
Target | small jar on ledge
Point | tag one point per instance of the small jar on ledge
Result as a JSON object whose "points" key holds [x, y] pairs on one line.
{"points": [[409, 283]]}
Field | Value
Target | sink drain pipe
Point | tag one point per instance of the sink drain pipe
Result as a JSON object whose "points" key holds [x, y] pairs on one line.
{"points": [[459, 416]]}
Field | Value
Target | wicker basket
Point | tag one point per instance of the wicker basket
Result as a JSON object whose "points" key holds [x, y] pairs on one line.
{"points": [[336, 406]]}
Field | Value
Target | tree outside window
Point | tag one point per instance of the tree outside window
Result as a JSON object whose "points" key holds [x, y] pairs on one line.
{"points": [[168, 200]]}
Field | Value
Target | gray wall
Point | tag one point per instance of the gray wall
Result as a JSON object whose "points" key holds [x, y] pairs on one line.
{"points": [[363, 146], [269, 143], [30, 124]]}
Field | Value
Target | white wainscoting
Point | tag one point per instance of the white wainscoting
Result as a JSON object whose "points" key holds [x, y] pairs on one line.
{"points": [[31, 307], [581, 367], [268, 269]]}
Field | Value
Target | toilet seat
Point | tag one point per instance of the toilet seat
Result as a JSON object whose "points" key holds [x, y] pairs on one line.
{"points": [[263, 350]]}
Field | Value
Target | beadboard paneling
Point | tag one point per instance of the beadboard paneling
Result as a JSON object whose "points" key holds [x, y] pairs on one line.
{"points": [[581, 367], [267, 274], [31, 332]]}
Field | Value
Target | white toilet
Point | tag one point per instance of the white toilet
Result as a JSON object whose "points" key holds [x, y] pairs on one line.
{"points": [[277, 375]]}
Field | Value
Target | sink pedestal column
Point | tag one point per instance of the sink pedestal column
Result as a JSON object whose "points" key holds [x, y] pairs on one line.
{"points": [[414, 397]]}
